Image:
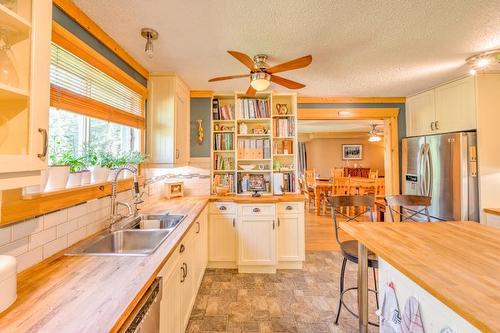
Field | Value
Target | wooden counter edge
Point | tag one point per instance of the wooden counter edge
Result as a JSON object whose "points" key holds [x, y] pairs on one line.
{"points": [[480, 325], [262, 199], [494, 211]]}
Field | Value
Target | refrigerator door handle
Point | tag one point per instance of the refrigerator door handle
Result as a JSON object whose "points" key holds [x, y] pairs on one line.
{"points": [[420, 175], [428, 171]]}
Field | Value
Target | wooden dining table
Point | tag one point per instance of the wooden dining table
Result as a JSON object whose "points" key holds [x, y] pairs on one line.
{"points": [[322, 187]]}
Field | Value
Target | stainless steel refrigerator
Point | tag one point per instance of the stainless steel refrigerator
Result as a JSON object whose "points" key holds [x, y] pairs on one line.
{"points": [[444, 167]]}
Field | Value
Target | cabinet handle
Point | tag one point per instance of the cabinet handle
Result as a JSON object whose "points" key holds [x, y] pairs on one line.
{"points": [[432, 126], [256, 210], [198, 230], [185, 270], [177, 153], [234, 222], [279, 222], [289, 208], [182, 248], [43, 131], [273, 224], [183, 278], [222, 208], [436, 124]]}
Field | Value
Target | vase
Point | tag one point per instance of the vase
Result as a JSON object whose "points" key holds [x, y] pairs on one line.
{"points": [[58, 177], [86, 177], [99, 174], [74, 179]]}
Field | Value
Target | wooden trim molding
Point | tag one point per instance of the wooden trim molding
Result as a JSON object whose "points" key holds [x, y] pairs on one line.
{"points": [[73, 44], [88, 24], [201, 93], [68, 100], [333, 100], [16, 207], [347, 113]]}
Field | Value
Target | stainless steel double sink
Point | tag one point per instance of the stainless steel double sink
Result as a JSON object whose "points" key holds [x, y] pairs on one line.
{"points": [[140, 236]]}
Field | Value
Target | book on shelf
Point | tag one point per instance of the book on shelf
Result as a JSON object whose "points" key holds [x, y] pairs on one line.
{"points": [[281, 147], [224, 180], [283, 127], [251, 108], [223, 163], [223, 141], [254, 149], [221, 112], [289, 182]]}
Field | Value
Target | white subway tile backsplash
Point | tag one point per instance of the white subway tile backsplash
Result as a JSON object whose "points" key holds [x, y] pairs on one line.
{"points": [[93, 205], [55, 246], [105, 202], [29, 259], [53, 219], [77, 235], [15, 248], [67, 227], [5, 235], [103, 213], [77, 211], [43, 237], [93, 228], [87, 219], [26, 228]]}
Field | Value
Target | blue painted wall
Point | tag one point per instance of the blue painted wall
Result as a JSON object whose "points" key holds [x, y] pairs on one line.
{"points": [[200, 109]]}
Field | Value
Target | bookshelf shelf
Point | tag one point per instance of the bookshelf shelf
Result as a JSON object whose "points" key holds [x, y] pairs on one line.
{"points": [[264, 150]]}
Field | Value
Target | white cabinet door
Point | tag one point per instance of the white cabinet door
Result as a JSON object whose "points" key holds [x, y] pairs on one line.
{"points": [[170, 301], [222, 238], [456, 106], [188, 289], [256, 241], [182, 107], [420, 114], [201, 248], [291, 237]]}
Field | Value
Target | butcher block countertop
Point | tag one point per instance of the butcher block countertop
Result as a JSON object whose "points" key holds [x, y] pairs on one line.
{"points": [[457, 262], [494, 211], [261, 199], [92, 293]]}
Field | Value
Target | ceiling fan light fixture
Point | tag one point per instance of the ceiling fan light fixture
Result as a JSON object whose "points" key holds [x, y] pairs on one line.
{"points": [[483, 60], [150, 35], [260, 81], [374, 138]]}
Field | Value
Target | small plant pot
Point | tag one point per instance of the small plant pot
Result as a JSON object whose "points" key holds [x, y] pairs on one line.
{"points": [[99, 174], [44, 175], [86, 177], [74, 179], [57, 178]]}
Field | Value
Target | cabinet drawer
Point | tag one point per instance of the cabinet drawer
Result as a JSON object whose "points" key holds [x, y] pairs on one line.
{"points": [[222, 208], [258, 210], [291, 207]]}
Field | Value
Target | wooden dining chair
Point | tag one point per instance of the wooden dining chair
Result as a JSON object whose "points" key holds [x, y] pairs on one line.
{"points": [[342, 186], [310, 188], [349, 248], [336, 173], [310, 177], [412, 208], [373, 174]]}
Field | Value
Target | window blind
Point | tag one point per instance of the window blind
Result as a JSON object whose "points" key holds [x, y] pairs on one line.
{"points": [[80, 87]]}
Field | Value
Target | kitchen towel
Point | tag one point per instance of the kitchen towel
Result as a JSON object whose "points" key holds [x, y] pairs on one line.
{"points": [[412, 321], [390, 317]]}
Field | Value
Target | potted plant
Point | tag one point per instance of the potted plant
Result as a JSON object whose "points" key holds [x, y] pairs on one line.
{"points": [[75, 164], [98, 161], [119, 161], [58, 172], [133, 158]]}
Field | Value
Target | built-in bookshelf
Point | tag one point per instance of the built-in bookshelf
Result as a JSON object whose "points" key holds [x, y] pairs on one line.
{"points": [[254, 140]]}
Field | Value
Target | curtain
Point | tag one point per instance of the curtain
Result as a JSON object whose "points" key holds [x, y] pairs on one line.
{"points": [[302, 159]]}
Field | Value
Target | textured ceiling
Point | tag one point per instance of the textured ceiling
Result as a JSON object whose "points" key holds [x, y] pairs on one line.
{"points": [[359, 47], [323, 126]]}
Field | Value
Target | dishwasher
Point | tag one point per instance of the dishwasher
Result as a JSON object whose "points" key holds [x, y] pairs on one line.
{"points": [[145, 318]]}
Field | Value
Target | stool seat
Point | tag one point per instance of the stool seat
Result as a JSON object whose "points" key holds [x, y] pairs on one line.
{"points": [[350, 252]]}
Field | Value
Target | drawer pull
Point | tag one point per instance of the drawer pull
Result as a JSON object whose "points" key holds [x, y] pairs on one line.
{"points": [[289, 208], [234, 222], [273, 225], [45, 143], [198, 227], [278, 222], [222, 208], [182, 248], [256, 210]]}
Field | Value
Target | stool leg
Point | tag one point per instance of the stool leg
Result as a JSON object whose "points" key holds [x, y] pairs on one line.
{"points": [[376, 288], [342, 273]]}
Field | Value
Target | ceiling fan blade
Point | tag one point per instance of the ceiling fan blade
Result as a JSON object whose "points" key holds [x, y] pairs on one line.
{"points": [[244, 59], [221, 78], [292, 64], [251, 91], [286, 83]]}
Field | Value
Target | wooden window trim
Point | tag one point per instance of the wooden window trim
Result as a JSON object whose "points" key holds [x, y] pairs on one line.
{"points": [[88, 24], [67, 100], [75, 45]]}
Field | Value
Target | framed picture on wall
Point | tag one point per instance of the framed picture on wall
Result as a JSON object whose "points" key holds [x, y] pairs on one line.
{"points": [[352, 152]]}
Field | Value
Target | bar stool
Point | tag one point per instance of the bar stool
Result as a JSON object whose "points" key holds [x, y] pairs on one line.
{"points": [[414, 208], [349, 248]]}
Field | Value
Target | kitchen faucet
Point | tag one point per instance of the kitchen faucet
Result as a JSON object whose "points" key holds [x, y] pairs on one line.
{"points": [[132, 211]]}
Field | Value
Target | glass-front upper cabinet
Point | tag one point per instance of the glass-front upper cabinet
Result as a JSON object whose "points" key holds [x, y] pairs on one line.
{"points": [[25, 33]]}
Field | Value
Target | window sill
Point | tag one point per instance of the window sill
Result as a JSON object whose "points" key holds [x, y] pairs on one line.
{"points": [[18, 207]]}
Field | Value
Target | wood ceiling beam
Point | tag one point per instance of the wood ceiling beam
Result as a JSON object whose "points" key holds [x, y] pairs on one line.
{"points": [[334, 100], [347, 113], [201, 93], [95, 30]]}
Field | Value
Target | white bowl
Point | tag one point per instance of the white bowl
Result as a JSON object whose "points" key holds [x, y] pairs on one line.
{"points": [[247, 166]]}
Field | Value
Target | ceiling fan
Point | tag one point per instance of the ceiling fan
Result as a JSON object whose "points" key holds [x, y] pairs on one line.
{"points": [[261, 74], [375, 134]]}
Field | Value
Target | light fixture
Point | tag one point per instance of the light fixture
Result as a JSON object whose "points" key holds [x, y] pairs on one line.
{"points": [[150, 36], [374, 136], [344, 113], [260, 81], [483, 60]]}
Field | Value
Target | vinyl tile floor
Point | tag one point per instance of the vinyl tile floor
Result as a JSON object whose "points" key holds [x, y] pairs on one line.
{"points": [[303, 300]]}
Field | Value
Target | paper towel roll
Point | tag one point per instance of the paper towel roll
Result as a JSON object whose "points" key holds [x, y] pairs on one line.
{"points": [[8, 282]]}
